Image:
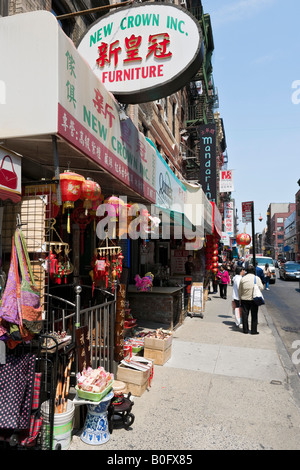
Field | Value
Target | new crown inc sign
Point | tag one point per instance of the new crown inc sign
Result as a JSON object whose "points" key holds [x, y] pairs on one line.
{"points": [[144, 52]]}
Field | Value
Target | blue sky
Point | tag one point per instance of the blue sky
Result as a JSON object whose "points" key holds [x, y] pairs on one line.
{"points": [[255, 63]]}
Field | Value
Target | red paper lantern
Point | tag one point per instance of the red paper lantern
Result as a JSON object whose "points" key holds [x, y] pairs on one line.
{"points": [[116, 203], [243, 239], [70, 186], [90, 192]]}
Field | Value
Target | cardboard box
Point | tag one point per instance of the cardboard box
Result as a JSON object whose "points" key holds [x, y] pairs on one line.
{"points": [[157, 356], [137, 390], [128, 375], [136, 381], [155, 343]]}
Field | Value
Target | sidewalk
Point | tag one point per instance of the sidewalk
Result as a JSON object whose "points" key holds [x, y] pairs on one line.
{"points": [[220, 390]]}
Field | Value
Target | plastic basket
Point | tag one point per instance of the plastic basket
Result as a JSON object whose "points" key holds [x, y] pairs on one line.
{"points": [[93, 396]]}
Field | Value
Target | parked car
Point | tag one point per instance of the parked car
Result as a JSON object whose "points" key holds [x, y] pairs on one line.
{"points": [[262, 261], [290, 270]]}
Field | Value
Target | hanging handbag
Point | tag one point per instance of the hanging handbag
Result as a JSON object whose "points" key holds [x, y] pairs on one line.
{"points": [[257, 295], [30, 308], [8, 178]]}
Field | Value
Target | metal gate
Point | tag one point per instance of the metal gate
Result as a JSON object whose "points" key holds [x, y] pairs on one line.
{"points": [[65, 315]]}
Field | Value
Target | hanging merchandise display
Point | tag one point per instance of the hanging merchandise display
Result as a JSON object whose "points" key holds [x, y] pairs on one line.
{"points": [[106, 264], [71, 186], [20, 310], [58, 264], [90, 192]]}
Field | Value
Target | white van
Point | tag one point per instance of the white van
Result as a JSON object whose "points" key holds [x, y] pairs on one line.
{"points": [[262, 261]]}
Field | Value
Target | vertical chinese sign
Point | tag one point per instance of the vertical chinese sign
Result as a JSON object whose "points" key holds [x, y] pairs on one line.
{"points": [[208, 161]]}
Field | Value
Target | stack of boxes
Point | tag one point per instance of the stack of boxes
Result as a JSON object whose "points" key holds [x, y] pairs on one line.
{"points": [[157, 349]]}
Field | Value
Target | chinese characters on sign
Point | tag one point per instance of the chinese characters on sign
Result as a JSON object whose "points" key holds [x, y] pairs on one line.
{"points": [[144, 47], [83, 348], [88, 118], [70, 86], [229, 218], [226, 181]]}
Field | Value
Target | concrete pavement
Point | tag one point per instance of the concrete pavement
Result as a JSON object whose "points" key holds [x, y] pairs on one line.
{"points": [[220, 390]]}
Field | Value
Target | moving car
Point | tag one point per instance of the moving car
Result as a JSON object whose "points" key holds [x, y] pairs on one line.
{"points": [[290, 270], [262, 261]]}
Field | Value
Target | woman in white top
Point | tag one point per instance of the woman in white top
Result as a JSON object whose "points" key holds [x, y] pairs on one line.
{"points": [[239, 273]]}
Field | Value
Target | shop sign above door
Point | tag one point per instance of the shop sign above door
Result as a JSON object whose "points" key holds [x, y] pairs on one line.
{"points": [[144, 52]]}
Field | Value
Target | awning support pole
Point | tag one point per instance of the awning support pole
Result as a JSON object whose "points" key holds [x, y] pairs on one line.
{"points": [[56, 170]]}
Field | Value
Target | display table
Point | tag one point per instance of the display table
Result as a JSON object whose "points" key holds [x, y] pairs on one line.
{"points": [[160, 305], [96, 429]]}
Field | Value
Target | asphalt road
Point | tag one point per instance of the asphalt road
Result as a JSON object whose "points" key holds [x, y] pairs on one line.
{"points": [[283, 304]]}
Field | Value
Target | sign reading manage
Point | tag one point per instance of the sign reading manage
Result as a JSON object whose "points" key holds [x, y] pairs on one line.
{"points": [[144, 52]]}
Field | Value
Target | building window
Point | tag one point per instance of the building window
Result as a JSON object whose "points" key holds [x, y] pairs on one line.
{"points": [[280, 220], [3, 7]]}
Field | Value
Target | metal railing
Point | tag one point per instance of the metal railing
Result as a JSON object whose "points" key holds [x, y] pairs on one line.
{"points": [[64, 315]]}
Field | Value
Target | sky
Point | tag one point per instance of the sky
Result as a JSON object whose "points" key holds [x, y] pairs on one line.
{"points": [[256, 69]]}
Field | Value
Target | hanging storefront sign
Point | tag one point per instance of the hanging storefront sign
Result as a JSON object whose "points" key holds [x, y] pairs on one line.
{"points": [[208, 160], [144, 52], [10, 175], [170, 191], [226, 181]]}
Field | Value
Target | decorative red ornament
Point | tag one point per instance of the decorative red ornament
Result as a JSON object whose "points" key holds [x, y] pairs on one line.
{"points": [[90, 191], [243, 239], [70, 185]]}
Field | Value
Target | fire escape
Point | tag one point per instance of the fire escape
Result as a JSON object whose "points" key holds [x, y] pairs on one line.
{"points": [[202, 98]]}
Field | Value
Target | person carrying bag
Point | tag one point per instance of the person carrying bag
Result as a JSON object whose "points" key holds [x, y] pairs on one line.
{"points": [[250, 297]]}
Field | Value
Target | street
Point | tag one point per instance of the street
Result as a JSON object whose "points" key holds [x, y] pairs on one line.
{"points": [[282, 301]]}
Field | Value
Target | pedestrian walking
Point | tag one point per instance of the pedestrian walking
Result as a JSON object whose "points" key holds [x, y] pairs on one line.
{"points": [[224, 280], [237, 311], [260, 273], [246, 298], [267, 276]]}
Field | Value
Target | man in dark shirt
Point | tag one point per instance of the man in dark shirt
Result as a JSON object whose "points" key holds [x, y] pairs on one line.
{"points": [[260, 273]]}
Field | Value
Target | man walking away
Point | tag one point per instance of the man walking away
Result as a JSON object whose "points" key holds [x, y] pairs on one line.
{"points": [[246, 297]]}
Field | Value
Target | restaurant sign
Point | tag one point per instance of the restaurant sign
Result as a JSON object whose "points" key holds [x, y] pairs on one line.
{"points": [[144, 52]]}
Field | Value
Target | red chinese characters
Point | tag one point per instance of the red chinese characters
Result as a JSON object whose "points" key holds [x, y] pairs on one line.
{"points": [[103, 108], [158, 45]]}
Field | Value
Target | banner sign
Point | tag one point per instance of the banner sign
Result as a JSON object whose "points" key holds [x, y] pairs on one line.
{"points": [[247, 211], [144, 52], [226, 181], [208, 160], [229, 218]]}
